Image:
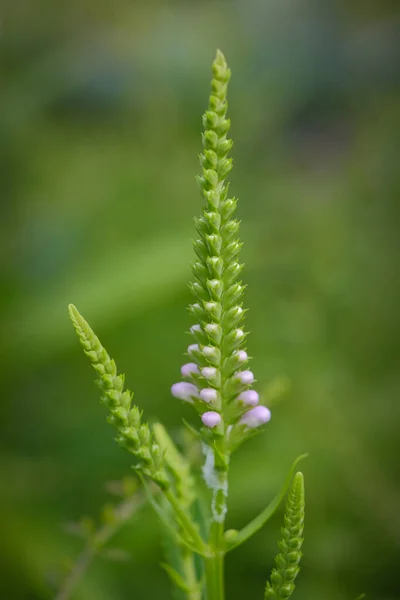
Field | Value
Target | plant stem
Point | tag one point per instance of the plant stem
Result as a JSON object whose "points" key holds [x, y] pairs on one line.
{"points": [[81, 565], [215, 566], [190, 577], [123, 512], [215, 563]]}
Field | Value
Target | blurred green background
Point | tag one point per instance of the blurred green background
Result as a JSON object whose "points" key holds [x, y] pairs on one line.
{"points": [[100, 130]]}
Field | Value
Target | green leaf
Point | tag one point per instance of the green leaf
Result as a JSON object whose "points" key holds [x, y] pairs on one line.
{"points": [[175, 577], [177, 464], [259, 521], [165, 518]]}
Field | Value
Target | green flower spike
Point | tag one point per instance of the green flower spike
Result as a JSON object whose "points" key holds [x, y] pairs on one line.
{"points": [[217, 381], [281, 584], [133, 435]]}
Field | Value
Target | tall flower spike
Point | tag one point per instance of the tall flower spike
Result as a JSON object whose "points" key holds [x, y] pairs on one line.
{"points": [[281, 583], [217, 335], [133, 435]]}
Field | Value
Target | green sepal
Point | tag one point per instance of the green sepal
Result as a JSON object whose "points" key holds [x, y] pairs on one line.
{"points": [[259, 521]]}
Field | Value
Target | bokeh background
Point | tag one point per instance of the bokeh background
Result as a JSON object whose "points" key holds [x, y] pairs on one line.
{"points": [[100, 130]]}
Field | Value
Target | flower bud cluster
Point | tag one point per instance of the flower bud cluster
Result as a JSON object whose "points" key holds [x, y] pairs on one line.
{"points": [[217, 381], [133, 435]]}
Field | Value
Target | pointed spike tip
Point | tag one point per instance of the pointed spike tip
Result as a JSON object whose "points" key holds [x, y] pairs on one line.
{"points": [[298, 483], [74, 315], [72, 310], [220, 59]]}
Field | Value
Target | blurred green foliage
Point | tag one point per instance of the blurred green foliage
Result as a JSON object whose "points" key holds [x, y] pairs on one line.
{"points": [[100, 125]]}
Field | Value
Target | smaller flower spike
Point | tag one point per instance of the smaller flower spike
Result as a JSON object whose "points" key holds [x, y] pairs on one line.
{"points": [[281, 583], [133, 435], [255, 417], [211, 419]]}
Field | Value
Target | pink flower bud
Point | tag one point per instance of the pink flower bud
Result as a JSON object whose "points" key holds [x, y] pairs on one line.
{"points": [[188, 369], [239, 333], [249, 398], [184, 391], [211, 419], [242, 356], [193, 348], [245, 377], [209, 372], [255, 417], [196, 327], [209, 395]]}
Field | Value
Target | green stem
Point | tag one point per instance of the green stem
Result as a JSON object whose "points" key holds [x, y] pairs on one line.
{"points": [[80, 567], [215, 563], [190, 576], [123, 512]]}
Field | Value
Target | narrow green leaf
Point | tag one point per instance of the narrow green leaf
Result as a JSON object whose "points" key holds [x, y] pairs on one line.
{"points": [[266, 514], [177, 464], [165, 518], [176, 577]]}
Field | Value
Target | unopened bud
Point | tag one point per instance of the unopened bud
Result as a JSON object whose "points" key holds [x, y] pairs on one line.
{"points": [[245, 377], [184, 391], [209, 372], [211, 419], [255, 417], [249, 398], [189, 369], [209, 395]]}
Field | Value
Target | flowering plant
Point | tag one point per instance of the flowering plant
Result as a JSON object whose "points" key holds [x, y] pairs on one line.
{"points": [[218, 385]]}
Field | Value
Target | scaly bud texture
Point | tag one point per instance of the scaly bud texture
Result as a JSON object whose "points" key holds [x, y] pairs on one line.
{"points": [[133, 435], [281, 584], [217, 381]]}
